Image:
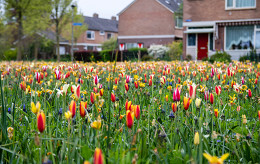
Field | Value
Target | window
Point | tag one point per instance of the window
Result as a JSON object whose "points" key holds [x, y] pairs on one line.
{"points": [[62, 50], [211, 41], [238, 4], [91, 35], [90, 48], [109, 35], [191, 39], [102, 32], [178, 22], [239, 37], [131, 45]]}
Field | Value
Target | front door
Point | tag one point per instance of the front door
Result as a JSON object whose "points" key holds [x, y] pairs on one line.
{"points": [[202, 46]]}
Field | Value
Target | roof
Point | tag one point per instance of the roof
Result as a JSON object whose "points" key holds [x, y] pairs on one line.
{"points": [[51, 35], [171, 5], [101, 24]]}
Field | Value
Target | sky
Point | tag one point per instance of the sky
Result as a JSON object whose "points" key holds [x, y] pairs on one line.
{"points": [[104, 8]]}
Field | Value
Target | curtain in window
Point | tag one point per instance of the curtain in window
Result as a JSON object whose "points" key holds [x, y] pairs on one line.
{"points": [[239, 37], [229, 3], [257, 41], [245, 3]]}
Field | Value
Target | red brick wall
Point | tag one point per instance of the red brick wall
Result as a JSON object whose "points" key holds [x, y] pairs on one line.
{"points": [[146, 17], [99, 39], [209, 10], [219, 43]]}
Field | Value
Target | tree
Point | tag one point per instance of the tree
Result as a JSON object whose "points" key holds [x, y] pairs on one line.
{"points": [[61, 15], [77, 30], [29, 15], [109, 44]]}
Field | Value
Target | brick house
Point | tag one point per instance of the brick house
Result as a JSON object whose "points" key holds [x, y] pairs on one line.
{"points": [[149, 22], [99, 30], [227, 25]]}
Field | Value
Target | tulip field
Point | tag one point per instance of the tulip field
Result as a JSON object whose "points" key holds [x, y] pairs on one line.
{"points": [[130, 112]]}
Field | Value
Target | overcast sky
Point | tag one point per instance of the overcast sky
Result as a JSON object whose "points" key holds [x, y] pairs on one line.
{"points": [[105, 8]]}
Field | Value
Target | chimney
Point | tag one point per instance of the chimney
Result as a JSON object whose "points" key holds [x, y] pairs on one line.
{"points": [[95, 15], [113, 18]]}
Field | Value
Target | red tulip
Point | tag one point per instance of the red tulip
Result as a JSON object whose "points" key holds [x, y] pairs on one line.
{"points": [[216, 112], [243, 80], [137, 112], [41, 75], [41, 121], [78, 91], [82, 107], [192, 91], [211, 98], [150, 82], [72, 108], [98, 157], [113, 97], [129, 119], [37, 77], [249, 93], [96, 79], [259, 115], [218, 90], [174, 107], [95, 90], [92, 97], [126, 87], [136, 84], [116, 81], [127, 78], [256, 80]]}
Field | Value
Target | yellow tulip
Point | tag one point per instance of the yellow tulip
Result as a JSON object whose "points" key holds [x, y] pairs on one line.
{"points": [[214, 159], [198, 102], [68, 115], [35, 109], [196, 138], [97, 123]]}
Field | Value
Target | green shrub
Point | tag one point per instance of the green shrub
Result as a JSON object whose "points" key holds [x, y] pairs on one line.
{"points": [[135, 50], [147, 58], [175, 50], [243, 58], [188, 57], [9, 55], [106, 55], [220, 57]]}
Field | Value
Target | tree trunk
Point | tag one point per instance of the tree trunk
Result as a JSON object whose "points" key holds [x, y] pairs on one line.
{"points": [[20, 35], [36, 47]]}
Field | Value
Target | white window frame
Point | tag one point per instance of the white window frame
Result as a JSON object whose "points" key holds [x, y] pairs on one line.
{"points": [[196, 40], [209, 50], [254, 41], [238, 8], [102, 32], [176, 23], [92, 35]]}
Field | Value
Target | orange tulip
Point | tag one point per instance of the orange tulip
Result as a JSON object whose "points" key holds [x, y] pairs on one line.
{"points": [[77, 92], [137, 112], [259, 115], [150, 82], [186, 103], [174, 107], [72, 108], [129, 119], [41, 121], [216, 112], [82, 107], [98, 157]]}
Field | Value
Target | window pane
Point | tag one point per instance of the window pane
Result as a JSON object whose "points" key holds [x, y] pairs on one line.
{"points": [[131, 45], [229, 3], [109, 36], [178, 22], [245, 3], [257, 42], [192, 40], [211, 41], [258, 26], [239, 37]]}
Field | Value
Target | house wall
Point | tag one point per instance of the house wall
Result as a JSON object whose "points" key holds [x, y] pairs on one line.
{"points": [[148, 42], [99, 39], [209, 10], [146, 17]]}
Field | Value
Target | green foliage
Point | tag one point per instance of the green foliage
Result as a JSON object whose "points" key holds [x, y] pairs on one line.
{"points": [[110, 44], [220, 57], [106, 54], [175, 50], [243, 58], [9, 55], [147, 58], [135, 50]]}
